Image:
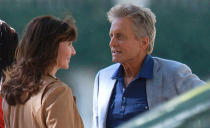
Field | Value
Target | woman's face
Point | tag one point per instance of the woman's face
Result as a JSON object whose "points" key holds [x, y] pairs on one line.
{"points": [[65, 51]]}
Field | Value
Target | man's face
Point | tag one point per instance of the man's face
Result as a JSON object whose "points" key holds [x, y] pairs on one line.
{"points": [[124, 45]]}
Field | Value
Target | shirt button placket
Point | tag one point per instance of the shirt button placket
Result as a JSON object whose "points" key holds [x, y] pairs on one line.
{"points": [[123, 105], [123, 98]]}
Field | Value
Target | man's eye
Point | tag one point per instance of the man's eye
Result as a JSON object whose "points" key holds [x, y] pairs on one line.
{"points": [[119, 36]]}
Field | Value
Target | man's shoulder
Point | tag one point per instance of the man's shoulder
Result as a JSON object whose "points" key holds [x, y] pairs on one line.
{"points": [[110, 68], [168, 64], [107, 73]]}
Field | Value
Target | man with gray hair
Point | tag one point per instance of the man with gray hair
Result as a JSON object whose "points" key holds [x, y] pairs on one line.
{"points": [[137, 82]]}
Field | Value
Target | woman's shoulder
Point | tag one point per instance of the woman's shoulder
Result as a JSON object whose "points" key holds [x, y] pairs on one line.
{"points": [[50, 82], [53, 88]]}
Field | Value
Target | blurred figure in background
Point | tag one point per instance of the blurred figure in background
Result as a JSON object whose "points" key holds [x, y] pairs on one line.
{"points": [[138, 82], [32, 96], [8, 44]]}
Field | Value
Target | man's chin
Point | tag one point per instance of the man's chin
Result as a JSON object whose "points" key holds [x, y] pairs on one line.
{"points": [[66, 67], [114, 60]]}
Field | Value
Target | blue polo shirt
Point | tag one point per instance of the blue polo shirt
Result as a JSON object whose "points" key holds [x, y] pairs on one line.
{"points": [[126, 103]]}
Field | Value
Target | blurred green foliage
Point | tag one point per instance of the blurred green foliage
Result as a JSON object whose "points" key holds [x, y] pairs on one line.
{"points": [[182, 28], [183, 33]]}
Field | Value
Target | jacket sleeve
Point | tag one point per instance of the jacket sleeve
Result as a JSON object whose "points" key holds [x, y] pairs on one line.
{"points": [[95, 102], [185, 79], [60, 110]]}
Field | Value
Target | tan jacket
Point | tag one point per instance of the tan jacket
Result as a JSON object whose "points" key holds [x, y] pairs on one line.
{"points": [[52, 107]]}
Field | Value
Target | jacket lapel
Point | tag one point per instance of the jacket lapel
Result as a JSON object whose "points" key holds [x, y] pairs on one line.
{"points": [[105, 91], [104, 99], [154, 86]]}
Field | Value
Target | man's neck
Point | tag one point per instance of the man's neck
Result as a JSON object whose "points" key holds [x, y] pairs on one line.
{"points": [[131, 70]]}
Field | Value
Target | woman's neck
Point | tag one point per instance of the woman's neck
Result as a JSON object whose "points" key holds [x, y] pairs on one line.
{"points": [[53, 71]]}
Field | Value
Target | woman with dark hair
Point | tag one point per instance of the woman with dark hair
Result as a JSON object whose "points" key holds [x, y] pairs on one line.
{"points": [[33, 96], [8, 44]]}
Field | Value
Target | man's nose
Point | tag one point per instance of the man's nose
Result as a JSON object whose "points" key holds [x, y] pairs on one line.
{"points": [[112, 42], [73, 51]]}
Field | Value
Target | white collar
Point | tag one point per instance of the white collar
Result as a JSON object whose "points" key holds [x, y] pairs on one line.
{"points": [[1, 83], [1, 21]]}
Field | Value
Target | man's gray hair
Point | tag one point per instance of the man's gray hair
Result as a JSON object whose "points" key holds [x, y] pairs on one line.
{"points": [[142, 18]]}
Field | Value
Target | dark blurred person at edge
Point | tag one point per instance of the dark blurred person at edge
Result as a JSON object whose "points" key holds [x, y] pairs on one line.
{"points": [[8, 44]]}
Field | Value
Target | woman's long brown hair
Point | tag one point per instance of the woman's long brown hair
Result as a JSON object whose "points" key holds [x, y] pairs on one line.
{"points": [[36, 54]]}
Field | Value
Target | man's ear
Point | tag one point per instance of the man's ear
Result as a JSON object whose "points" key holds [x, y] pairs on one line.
{"points": [[145, 42]]}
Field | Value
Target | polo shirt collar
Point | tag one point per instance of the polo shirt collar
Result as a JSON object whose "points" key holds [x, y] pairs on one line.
{"points": [[145, 72]]}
